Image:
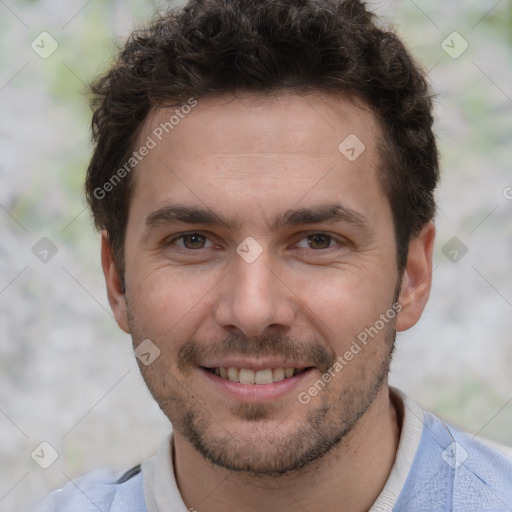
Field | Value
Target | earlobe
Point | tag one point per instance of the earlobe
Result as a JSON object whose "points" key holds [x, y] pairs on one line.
{"points": [[417, 278], [115, 291]]}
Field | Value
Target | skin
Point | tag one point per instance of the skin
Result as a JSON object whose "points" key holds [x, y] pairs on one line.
{"points": [[250, 159]]}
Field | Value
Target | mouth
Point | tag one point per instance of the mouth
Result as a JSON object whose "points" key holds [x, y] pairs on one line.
{"points": [[248, 376], [256, 385]]}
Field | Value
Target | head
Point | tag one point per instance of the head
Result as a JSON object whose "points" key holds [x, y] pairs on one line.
{"points": [[263, 177]]}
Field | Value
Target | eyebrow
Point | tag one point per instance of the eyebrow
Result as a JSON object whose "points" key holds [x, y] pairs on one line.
{"points": [[332, 212]]}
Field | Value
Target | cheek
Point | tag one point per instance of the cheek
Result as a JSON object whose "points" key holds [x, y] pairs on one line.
{"points": [[344, 303], [165, 299]]}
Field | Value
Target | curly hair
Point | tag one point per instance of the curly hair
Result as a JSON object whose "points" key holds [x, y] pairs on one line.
{"points": [[212, 47]]}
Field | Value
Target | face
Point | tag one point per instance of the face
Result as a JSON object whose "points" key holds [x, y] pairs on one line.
{"points": [[256, 248]]}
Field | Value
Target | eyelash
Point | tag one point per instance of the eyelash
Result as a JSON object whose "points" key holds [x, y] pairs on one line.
{"points": [[339, 240]]}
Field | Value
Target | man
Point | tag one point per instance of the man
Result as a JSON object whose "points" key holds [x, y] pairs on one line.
{"points": [[263, 177]]}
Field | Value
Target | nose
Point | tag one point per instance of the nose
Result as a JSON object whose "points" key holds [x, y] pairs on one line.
{"points": [[252, 298]]}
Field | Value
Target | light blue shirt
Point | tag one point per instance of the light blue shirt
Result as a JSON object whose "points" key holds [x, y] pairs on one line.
{"points": [[437, 469]]}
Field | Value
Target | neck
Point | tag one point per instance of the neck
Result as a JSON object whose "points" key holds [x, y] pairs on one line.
{"points": [[349, 478]]}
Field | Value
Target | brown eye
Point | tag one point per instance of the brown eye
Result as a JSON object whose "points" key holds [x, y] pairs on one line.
{"points": [[191, 241], [319, 241]]}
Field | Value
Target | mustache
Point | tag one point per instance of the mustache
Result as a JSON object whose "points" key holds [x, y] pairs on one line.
{"points": [[271, 344]]}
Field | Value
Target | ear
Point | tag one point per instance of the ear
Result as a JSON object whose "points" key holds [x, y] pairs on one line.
{"points": [[417, 278], [115, 292]]}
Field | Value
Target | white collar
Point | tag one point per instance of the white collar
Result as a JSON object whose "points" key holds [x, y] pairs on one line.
{"points": [[161, 490], [410, 437]]}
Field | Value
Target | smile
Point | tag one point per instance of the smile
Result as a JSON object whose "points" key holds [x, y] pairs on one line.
{"points": [[248, 376], [256, 384]]}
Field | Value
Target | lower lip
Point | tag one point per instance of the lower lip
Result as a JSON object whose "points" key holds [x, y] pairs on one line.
{"points": [[256, 392]]}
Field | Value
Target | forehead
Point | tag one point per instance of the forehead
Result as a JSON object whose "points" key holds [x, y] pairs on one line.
{"points": [[265, 149], [272, 124]]}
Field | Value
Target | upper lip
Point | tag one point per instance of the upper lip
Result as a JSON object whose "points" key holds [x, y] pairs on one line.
{"points": [[260, 364]]}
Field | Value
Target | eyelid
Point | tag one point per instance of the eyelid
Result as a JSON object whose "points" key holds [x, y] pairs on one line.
{"points": [[170, 240], [338, 238]]}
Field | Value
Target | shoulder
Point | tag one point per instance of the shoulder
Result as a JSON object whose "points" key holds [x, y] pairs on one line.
{"points": [[453, 468], [98, 491], [482, 471], [466, 449]]}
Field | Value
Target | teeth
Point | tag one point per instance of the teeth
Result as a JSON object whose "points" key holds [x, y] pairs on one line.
{"points": [[233, 374], [278, 374], [263, 377], [247, 376]]}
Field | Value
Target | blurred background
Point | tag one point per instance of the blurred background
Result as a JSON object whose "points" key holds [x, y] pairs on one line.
{"points": [[67, 373]]}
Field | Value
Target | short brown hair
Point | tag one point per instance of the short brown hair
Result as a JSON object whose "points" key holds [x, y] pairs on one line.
{"points": [[266, 46]]}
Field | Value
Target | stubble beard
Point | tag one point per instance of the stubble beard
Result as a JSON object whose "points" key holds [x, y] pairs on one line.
{"points": [[257, 451]]}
